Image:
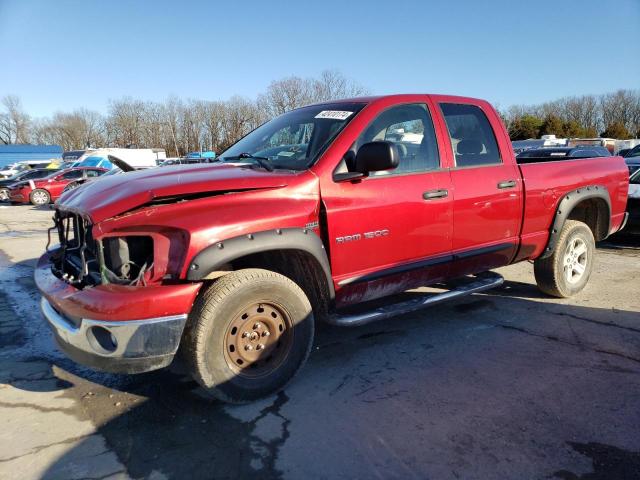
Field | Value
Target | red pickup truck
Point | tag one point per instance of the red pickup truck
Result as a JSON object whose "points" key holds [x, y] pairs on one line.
{"points": [[229, 265]]}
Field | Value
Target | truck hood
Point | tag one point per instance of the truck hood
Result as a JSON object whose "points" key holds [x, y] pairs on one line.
{"points": [[117, 194]]}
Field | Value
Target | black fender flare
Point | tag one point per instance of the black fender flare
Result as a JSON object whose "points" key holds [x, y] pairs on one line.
{"points": [[566, 206], [220, 253]]}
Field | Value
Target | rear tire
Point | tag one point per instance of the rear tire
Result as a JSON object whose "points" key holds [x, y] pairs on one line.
{"points": [[248, 335], [567, 270], [71, 186], [39, 197], [4, 194]]}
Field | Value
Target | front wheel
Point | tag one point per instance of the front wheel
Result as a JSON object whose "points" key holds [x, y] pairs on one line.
{"points": [[4, 194], [248, 335], [567, 270], [39, 197]]}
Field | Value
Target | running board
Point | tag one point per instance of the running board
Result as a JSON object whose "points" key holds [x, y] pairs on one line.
{"points": [[481, 283]]}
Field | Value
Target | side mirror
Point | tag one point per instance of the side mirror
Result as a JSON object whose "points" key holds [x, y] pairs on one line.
{"points": [[376, 156]]}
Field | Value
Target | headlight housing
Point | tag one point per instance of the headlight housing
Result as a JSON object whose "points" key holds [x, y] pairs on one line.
{"points": [[127, 260]]}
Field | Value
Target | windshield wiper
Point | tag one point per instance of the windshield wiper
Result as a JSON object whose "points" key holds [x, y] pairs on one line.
{"points": [[264, 162]]}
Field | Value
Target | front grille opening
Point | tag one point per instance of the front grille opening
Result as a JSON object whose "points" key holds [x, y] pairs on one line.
{"points": [[76, 260], [127, 259]]}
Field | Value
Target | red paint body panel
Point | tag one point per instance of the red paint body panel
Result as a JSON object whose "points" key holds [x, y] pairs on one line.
{"points": [[405, 229], [546, 184]]}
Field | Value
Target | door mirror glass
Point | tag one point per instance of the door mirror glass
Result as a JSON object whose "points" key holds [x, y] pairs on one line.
{"points": [[377, 156]]}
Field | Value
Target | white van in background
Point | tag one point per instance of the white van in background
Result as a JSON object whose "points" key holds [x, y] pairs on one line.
{"points": [[138, 158]]}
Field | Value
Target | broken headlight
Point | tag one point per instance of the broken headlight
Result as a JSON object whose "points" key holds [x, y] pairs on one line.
{"points": [[127, 260]]}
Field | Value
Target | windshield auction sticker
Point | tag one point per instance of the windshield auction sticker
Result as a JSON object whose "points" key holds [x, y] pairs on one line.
{"points": [[334, 114]]}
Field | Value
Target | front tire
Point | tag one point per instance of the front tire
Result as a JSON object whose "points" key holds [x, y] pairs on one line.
{"points": [[39, 197], [567, 270], [248, 335], [4, 194]]}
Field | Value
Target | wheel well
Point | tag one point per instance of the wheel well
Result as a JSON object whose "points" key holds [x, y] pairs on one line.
{"points": [[298, 265], [594, 212]]}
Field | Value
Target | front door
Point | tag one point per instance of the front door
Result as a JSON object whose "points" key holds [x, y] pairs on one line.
{"points": [[391, 230]]}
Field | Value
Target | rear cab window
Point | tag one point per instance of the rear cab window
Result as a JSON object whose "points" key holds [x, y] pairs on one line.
{"points": [[472, 138]]}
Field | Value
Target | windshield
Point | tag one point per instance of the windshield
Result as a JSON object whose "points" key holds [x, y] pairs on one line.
{"points": [[96, 162], [634, 152], [295, 139]]}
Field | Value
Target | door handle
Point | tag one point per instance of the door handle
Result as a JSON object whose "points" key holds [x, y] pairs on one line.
{"points": [[507, 184], [431, 194]]}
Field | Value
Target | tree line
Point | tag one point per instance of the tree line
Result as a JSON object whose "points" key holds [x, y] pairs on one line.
{"points": [[610, 115], [178, 126], [181, 126]]}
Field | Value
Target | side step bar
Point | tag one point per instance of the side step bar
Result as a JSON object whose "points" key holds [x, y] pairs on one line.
{"points": [[482, 282]]}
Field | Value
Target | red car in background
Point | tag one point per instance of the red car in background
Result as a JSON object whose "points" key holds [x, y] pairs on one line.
{"points": [[48, 189]]}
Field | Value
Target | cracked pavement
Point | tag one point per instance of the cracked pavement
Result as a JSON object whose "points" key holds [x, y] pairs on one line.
{"points": [[510, 384]]}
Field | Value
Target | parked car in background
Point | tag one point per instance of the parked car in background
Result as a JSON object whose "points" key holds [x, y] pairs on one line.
{"points": [[632, 159], [624, 151], [608, 143], [633, 204], [32, 174], [558, 153], [204, 157], [186, 161], [18, 167], [48, 189], [119, 166]]}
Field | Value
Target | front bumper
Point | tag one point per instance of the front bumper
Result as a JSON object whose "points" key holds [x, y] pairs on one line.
{"points": [[116, 328], [133, 346]]}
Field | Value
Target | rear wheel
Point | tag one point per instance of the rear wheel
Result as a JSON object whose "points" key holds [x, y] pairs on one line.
{"points": [[248, 335], [4, 194], [567, 270], [39, 196], [71, 186]]}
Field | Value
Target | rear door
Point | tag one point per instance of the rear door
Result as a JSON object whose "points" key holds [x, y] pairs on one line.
{"points": [[392, 230], [487, 188]]}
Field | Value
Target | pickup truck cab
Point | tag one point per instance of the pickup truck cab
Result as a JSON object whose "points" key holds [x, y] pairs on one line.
{"points": [[229, 265]]}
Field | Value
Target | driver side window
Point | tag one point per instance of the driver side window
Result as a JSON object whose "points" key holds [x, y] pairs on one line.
{"points": [[410, 129]]}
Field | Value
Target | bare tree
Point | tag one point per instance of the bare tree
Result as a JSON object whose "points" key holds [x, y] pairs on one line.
{"points": [[14, 122]]}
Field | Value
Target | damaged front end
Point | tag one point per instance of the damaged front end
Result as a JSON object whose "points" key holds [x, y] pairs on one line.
{"points": [[83, 261]]}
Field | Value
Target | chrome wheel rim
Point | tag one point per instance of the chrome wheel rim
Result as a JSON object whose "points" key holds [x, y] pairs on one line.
{"points": [[4, 194], [575, 260], [40, 198]]}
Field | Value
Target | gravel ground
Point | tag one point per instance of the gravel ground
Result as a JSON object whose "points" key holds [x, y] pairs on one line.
{"points": [[510, 384]]}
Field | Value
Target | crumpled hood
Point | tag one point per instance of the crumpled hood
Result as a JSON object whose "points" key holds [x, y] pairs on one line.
{"points": [[116, 194]]}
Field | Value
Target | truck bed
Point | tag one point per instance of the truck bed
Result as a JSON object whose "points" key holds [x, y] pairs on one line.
{"points": [[547, 181]]}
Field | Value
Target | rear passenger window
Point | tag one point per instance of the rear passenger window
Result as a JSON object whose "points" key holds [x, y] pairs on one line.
{"points": [[472, 137], [410, 128], [72, 175]]}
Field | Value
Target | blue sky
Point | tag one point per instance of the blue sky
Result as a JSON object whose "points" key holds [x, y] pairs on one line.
{"points": [[60, 55]]}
